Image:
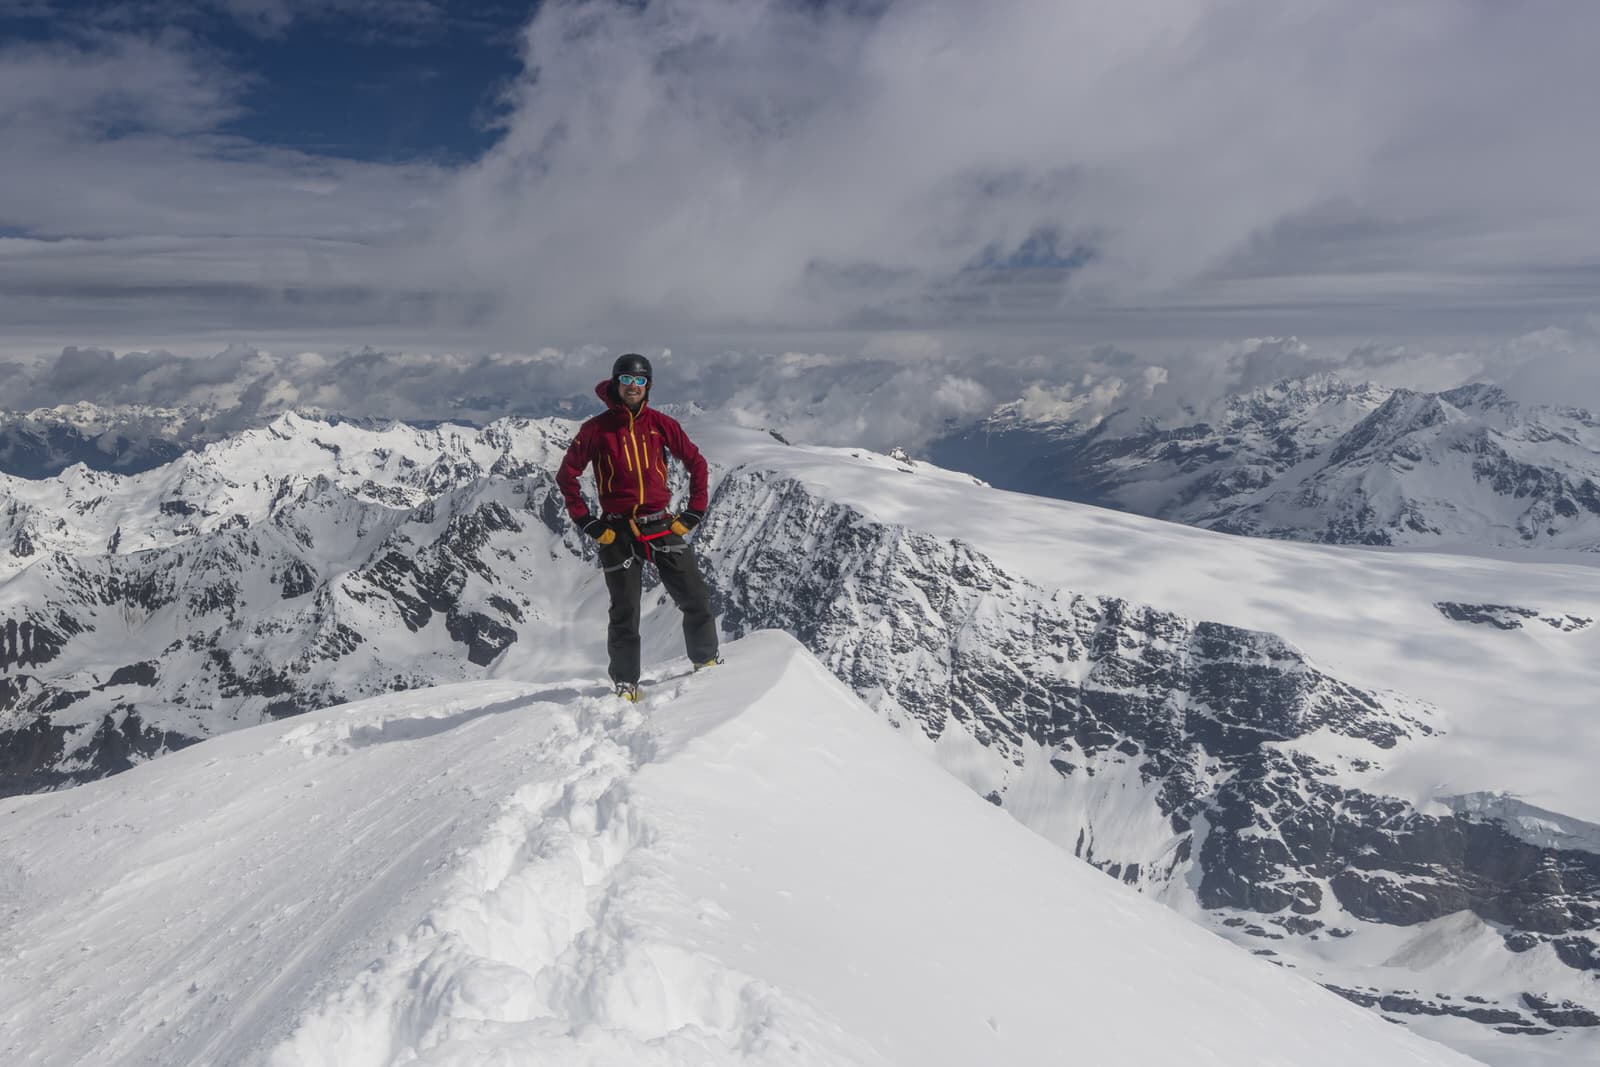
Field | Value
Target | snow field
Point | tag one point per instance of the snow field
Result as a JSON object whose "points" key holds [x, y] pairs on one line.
{"points": [[181, 913], [748, 868]]}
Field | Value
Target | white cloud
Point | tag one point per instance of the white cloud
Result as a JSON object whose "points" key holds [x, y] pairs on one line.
{"points": [[1556, 365], [739, 162], [121, 83], [125, 208], [1046, 403]]}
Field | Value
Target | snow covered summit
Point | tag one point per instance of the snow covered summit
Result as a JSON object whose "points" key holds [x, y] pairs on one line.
{"points": [[748, 868]]}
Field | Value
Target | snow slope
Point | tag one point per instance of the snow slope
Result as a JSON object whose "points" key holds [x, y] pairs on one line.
{"points": [[748, 868]]}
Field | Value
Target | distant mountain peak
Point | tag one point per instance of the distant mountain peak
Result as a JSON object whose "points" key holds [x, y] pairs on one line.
{"points": [[1323, 459], [1313, 386], [1480, 395]]}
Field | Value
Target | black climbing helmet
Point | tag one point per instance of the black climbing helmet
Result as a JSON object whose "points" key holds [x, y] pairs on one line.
{"points": [[631, 363]]}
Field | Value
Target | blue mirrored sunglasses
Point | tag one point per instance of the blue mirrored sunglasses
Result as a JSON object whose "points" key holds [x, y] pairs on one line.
{"points": [[632, 379]]}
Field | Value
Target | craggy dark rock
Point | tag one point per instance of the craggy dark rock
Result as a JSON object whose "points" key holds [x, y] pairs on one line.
{"points": [[485, 638], [121, 741], [296, 580], [1501, 616], [1580, 953], [29, 756], [134, 674], [1566, 1013], [1509, 617], [1405, 1004]]}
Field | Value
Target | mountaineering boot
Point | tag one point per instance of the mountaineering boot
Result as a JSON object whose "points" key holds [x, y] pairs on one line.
{"points": [[629, 691], [712, 662]]}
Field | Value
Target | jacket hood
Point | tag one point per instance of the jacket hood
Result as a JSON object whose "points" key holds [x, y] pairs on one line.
{"points": [[607, 392]]}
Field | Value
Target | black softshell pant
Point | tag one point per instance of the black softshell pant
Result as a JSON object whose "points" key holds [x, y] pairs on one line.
{"points": [[624, 561]]}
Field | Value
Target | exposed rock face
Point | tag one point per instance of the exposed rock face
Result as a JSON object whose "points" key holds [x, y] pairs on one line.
{"points": [[1404, 1004], [1321, 460], [946, 636], [1201, 715], [1509, 617]]}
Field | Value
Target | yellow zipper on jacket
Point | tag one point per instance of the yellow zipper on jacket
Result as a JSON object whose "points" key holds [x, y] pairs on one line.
{"points": [[638, 467]]}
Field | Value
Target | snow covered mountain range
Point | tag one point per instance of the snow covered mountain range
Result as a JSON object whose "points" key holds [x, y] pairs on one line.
{"points": [[126, 439], [1319, 459], [1372, 767]]}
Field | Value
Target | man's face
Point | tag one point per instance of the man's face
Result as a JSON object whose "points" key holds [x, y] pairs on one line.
{"points": [[631, 393]]}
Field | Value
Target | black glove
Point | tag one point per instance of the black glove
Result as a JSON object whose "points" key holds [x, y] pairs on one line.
{"points": [[598, 530], [686, 522]]}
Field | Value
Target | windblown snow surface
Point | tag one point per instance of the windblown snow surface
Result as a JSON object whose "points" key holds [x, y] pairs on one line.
{"points": [[749, 867]]}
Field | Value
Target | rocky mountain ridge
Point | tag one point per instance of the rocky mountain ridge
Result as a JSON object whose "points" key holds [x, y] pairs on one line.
{"points": [[127, 439]]}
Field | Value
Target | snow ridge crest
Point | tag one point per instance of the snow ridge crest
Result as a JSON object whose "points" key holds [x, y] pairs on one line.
{"points": [[535, 947]]}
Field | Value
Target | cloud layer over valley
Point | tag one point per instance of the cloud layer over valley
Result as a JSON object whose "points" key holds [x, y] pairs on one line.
{"points": [[901, 389]]}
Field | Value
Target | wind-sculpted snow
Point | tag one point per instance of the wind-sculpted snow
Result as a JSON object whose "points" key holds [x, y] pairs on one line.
{"points": [[534, 940]]}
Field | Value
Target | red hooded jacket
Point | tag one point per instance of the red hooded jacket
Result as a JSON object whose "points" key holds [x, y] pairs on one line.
{"points": [[628, 452]]}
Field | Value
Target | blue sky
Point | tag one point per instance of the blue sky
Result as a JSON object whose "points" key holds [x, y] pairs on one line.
{"points": [[1409, 188], [427, 91], [415, 81]]}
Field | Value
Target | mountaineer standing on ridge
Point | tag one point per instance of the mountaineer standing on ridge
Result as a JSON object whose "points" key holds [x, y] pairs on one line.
{"points": [[627, 446]]}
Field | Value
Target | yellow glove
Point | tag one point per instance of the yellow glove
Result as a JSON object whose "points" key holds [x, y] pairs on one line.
{"points": [[598, 530], [679, 528]]}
